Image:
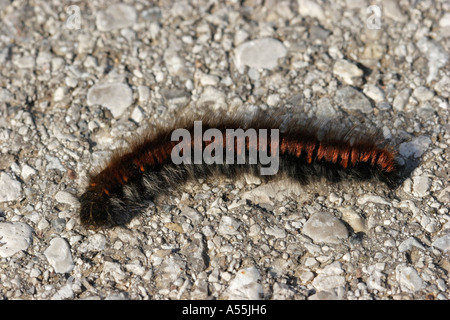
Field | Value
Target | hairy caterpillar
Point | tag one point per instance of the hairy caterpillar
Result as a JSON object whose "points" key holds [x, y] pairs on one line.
{"points": [[146, 170]]}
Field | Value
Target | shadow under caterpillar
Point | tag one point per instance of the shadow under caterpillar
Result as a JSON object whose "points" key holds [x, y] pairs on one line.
{"points": [[146, 170]]}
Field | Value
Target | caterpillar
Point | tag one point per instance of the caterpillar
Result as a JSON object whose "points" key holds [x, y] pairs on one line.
{"points": [[166, 157]]}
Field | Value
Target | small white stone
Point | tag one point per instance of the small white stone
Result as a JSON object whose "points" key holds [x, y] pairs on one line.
{"points": [[59, 256], [375, 93], [137, 114], [117, 97], [409, 243], [442, 243], [415, 148], [347, 71], [329, 277], [245, 285], [11, 189], [27, 172], [401, 99], [25, 62], [14, 237], [259, 54], [273, 100], [228, 226], [358, 223], [349, 98], [421, 184], [408, 278], [322, 227], [67, 198], [423, 93], [116, 16], [311, 9], [275, 232], [144, 93], [444, 22]]}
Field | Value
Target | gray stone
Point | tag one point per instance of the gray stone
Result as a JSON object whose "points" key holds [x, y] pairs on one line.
{"points": [[116, 16], [311, 9], [408, 278], [415, 148], [347, 71], [442, 243], [10, 189], [374, 92], [245, 285], [392, 10], [259, 54], [329, 277], [421, 184], [228, 226], [276, 232], [322, 227], [117, 97], [423, 93], [349, 98], [14, 237], [436, 55], [401, 99], [409, 243], [59, 256], [67, 198]]}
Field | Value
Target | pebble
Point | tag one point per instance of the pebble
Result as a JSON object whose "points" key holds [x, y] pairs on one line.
{"points": [[138, 114], [421, 184], [408, 278], [311, 9], [392, 10], [323, 227], [144, 93], [67, 198], [169, 270], [14, 237], [415, 148], [349, 98], [11, 189], [374, 92], [245, 285], [347, 71], [423, 93], [228, 226], [117, 97], [358, 223], [436, 55], [371, 198], [25, 62], [259, 54], [115, 270], [27, 172], [116, 16], [409, 243], [6, 95], [444, 22], [59, 256], [401, 99], [442, 243], [329, 277], [213, 98], [59, 94], [276, 232]]}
